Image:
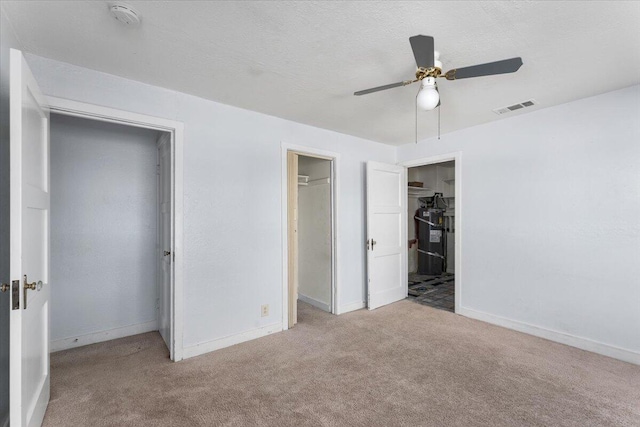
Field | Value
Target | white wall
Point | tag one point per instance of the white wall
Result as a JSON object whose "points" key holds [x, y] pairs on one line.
{"points": [[103, 227], [7, 40], [550, 229], [231, 171], [314, 233]]}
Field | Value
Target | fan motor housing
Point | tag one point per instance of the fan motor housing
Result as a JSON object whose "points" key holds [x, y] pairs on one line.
{"points": [[428, 72]]}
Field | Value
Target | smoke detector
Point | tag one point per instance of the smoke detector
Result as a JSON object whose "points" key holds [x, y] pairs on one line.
{"points": [[126, 14]]}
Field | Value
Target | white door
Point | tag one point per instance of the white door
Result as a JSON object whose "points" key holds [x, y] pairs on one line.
{"points": [[29, 243], [386, 232], [292, 233], [165, 296]]}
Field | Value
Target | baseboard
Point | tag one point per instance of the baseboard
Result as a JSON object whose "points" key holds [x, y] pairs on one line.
{"points": [[560, 337], [96, 337], [228, 341], [314, 302], [351, 307]]}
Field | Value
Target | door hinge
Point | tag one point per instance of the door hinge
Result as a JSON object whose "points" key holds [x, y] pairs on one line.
{"points": [[370, 244]]}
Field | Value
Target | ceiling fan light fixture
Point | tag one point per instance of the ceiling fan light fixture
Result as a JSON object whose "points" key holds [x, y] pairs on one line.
{"points": [[428, 97]]}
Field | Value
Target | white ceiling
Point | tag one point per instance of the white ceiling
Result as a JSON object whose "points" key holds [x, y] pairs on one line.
{"points": [[303, 60]]}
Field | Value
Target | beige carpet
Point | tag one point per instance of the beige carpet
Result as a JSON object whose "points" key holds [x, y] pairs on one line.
{"points": [[404, 364]]}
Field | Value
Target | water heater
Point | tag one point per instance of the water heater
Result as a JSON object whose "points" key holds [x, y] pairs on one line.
{"points": [[431, 241]]}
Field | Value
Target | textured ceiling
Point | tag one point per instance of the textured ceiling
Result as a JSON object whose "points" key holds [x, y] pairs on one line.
{"points": [[303, 60]]}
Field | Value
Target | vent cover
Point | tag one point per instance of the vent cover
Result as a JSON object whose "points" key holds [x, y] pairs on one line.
{"points": [[515, 107]]}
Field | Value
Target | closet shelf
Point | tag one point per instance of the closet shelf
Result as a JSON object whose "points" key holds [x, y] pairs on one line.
{"points": [[314, 182], [419, 191]]}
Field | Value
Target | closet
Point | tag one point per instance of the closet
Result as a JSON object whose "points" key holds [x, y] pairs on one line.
{"points": [[314, 232], [109, 220]]}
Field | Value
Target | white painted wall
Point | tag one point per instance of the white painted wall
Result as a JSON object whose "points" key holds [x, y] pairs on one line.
{"points": [[231, 171], [103, 227], [314, 233], [557, 247], [7, 40]]}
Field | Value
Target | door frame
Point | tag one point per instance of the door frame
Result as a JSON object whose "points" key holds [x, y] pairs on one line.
{"points": [[176, 130], [335, 245], [441, 158]]}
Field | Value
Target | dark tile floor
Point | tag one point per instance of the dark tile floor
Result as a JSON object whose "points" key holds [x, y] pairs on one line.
{"points": [[434, 291]]}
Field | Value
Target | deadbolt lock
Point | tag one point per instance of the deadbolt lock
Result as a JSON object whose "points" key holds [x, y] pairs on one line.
{"points": [[167, 253], [5, 287]]}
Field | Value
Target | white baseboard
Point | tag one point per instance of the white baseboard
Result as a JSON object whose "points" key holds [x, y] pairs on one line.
{"points": [[96, 337], [351, 307], [314, 302], [219, 343], [560, 337]]}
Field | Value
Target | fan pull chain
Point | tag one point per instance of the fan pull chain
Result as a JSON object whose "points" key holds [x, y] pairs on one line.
{"points": [[416, 105], [439, 108]]}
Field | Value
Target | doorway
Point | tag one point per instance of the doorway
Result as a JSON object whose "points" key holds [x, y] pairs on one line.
{"points": [[431, 233], [310, 234], [129, 221], [110, 228]]}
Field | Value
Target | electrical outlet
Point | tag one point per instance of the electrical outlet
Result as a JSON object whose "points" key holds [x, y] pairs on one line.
{"points": [[265, 310]]}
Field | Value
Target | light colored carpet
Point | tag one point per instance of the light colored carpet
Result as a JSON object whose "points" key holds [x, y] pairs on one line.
{"points": [[403, 364]]}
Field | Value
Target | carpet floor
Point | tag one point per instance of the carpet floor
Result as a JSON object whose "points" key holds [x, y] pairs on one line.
{"points": [[400, 365]]}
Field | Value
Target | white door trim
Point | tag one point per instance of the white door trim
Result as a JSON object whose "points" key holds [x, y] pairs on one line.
{"points": [[457, 157], [176, 129], [335, 202]]}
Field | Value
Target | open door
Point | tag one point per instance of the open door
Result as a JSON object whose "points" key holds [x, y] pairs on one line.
{"points": [[29, 243], [165, 296], [386, 232], [292, 233]]}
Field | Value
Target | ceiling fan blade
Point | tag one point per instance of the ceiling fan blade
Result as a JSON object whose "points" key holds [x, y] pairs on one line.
{"points": [[499, 67], [385, 87], [422, 50]]}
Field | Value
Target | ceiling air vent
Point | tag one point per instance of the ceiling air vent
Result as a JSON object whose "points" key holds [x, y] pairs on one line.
{"points": [[514, 107]]}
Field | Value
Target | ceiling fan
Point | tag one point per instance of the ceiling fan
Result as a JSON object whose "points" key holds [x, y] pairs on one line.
{"points": [[430, 68]]}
